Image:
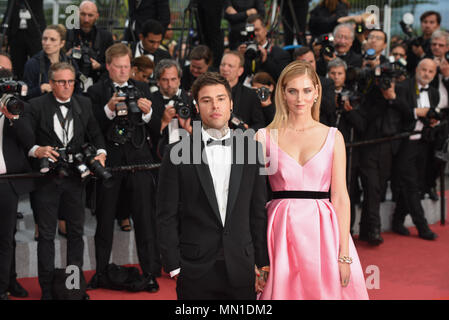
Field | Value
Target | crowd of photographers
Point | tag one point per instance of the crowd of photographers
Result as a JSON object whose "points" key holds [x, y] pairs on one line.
{"points": [[92, 105]]}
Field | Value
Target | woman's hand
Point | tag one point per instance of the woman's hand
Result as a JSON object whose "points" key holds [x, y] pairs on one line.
{"points": [[345, 273]]}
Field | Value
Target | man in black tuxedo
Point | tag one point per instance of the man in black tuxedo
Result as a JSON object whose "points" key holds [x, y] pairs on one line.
{"points": [[15, 139], [150, 39], [168, 75], [212, 231], [420, 98], [25, 31], [92, 37], [128, 142], [61, 120], [247, 109]]}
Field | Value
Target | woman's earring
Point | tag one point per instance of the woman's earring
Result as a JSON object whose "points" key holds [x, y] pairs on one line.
{"points": [[315, 100]]}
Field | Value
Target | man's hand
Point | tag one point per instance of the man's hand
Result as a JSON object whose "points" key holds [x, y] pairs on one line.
{"points": [[167, 116], [114, 100], [328, 59], [46, 152], [45, 87], [242, 48], [95, 64], [102, 158], [421, 112], [261, 279], [251, 11], [186, 124], [389, 94], [347, 106], [7, 114], [144, 105]]}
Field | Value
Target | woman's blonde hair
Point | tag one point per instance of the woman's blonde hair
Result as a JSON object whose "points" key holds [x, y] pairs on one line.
{"points": [[293, 70]]}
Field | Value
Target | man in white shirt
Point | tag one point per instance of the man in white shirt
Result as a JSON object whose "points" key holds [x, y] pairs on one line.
{"points": [[211, 212]]}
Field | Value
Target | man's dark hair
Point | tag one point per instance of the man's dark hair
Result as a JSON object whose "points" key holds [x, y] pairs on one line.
{"points": [[380, 30], [210, 79], [152, 26], [301, 51], [430, 13], [201, 52], [60, 66], [252, 18]]}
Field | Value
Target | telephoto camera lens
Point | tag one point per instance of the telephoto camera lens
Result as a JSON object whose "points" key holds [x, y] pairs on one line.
{"points": [[13, 104], [44, 165]]}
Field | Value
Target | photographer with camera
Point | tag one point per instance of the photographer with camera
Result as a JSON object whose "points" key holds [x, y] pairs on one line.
{"points": [[377, 40], [36, 68], [88, 44], [341, 47], [124, 112], [264, 85], [171, 104], [324, 17], [62, 123], [382, 115], [200, 62], [348, 121], [15, 137], [419, 47], [421, 100], [247, 110], [259, 52]]}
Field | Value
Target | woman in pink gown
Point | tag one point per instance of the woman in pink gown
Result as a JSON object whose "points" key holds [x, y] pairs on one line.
{"points": [[312, 255]]}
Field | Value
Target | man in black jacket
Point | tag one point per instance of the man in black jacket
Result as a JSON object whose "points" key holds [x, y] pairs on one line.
{"points": [[26, 24], [419, 97], [62, 124], [212, 229], [15, 139], [90, 38], [128, 142], [247, 108]]}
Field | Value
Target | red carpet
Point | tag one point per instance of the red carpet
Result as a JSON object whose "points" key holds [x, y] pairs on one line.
{"points": [[409, 268]]}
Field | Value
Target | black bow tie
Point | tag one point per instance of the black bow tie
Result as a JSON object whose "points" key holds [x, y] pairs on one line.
{"points": [[424, 89], [66, 104], [222, 142], [122, 88], [166, 101]]}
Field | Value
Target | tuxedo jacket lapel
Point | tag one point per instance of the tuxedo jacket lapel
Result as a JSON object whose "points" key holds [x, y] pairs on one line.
{"points": [[50, 110], [234, 181]]}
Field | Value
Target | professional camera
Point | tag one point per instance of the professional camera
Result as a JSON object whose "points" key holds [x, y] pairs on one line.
{"points": [[406, 26], [249, 38], [327, 45], [263, 93], [62, 164], [360, 28], [131, 94], [354, 98], [369, 55], [184, 110], [85, 163], [82, 57], [11, 91], [388, 71], [237, 121]]}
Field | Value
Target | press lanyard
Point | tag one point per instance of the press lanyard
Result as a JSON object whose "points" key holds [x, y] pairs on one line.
{"points": [[64, 122]]}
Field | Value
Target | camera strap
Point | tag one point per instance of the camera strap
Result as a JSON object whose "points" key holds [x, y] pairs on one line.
{"points": [[65, 123]]}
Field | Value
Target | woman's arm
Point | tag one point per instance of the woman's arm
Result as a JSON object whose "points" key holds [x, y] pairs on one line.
{"points": [[341, 203]]}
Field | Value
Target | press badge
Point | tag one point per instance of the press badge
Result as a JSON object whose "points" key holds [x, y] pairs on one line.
{"points": [[24, 15]]}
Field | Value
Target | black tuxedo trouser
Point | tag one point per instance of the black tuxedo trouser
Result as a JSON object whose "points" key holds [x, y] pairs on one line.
{"points": [[139, 187], [48, 197], [412, 158], [375, 168], [214, 285], [8, 216], [23, 45]]}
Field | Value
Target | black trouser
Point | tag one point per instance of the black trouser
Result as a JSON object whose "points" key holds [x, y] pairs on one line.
{"points": [[300, 8], [8, 216], [139, 186], [69, 193], [214, 285], [23, 45], [375, 168], [411, 157]]}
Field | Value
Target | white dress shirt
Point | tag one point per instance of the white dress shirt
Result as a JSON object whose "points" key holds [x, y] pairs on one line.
{"points": [[173, 125], [423, 102], [219, 160], [140, 51], [2, 159], [111, 114]]}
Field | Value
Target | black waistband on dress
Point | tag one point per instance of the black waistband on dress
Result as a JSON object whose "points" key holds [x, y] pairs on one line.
{"points": [[287, 194]]}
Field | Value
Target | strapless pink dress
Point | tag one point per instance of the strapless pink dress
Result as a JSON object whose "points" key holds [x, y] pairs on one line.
{"points": [[303, 234]]}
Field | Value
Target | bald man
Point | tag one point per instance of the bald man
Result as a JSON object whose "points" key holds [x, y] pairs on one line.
{"points": [[412, 157], [96, 39]]}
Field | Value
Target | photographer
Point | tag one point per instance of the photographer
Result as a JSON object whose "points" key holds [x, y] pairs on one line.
{"points": [[171, 104], [377, 40], [142, 69], [419, 47], [348, 121], [124, 113], [382, 116], [421, 100], [247, 110], [341, 48], [260, 53], [25, 31], [236, 12], [200, 62], [150, 40], [88, 44], [264, 85], [62, 123], [15, 137], [324, 17]]}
